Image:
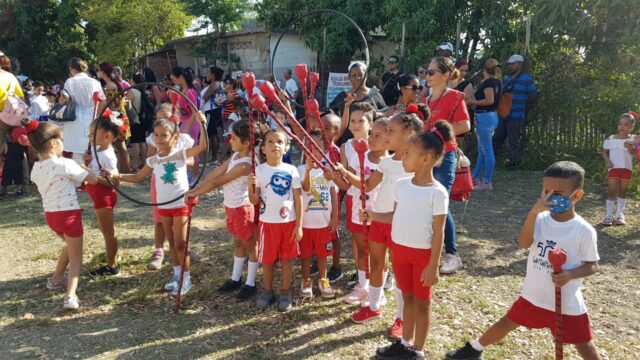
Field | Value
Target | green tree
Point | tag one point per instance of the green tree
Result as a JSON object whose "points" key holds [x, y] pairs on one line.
{"points": [[123, 29], [42, 35]]}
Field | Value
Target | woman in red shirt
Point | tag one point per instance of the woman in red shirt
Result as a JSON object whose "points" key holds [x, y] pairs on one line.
{"points": [[447, 104]]}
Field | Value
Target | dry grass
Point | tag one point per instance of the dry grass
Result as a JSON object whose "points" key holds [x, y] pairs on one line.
{"points": [[130, 318]]}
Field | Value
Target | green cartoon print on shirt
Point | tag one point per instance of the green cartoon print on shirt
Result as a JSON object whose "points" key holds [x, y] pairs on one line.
{"points": [[169, 176]]}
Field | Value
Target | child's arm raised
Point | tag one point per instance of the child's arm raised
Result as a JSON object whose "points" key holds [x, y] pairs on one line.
{"points": [[202, 143], [297, 204], [305, 184], [254, 196], [430, 274], [344, 121], [526, 233]]}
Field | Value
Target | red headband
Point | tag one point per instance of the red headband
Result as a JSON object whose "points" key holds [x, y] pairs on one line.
{"points": [[413, 109], [438, 134], [32, 126]]}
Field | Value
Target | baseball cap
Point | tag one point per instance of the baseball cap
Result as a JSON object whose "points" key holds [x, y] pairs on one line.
{"points": [[515, 58], [445, 46]]}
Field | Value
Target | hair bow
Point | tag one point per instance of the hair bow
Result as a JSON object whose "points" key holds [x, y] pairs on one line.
{"points": [[413, 109]]}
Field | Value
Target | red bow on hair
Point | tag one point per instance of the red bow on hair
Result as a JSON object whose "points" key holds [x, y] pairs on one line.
{"points": [[32, 126], [634, 114], [413, 109], [173, 119], [107, 113]]}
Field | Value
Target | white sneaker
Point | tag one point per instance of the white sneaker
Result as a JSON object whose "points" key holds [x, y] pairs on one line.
{"points": [[305, 289], [383, 302], [325, 289], [357, 296], [70, 302], [620, 220], [450, 264]]}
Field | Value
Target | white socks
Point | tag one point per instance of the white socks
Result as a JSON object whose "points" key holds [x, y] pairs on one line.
{"points": [[251, 273], [375, 297], [400, 302], [177, 270], [620, 203], [609, 212], [187, 276], [362, 279], [238, 265], [406, 343], [476, 344]]}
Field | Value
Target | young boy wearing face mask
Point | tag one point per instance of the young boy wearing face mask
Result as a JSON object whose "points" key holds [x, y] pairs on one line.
{"points": [[552, 222]]}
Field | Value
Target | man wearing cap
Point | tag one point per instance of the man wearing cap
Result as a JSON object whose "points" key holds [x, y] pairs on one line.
{"points": [[389, 83], [445, 50], [524, 92]]}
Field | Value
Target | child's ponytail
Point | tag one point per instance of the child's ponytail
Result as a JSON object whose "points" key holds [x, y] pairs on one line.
{"points": [[436, 139]]}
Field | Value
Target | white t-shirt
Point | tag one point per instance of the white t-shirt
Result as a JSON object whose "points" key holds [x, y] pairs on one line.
{"points": [[290, 88], [184, 141], [579, 239], [236, 193], [316, 204], [276, 192], [233, 118], [372, 194], [205, 105], [392, 171], [39, 107], [108, 160], [171, 177], [618, 154], [416, 206], [57, 179]]}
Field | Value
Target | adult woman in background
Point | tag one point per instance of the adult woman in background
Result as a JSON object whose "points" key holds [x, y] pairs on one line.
{"points": [[409, 89], [447, 104], [79, 88], [119, 104], [188, 124], [212, 105], [156, 95], [464, 84], [138, 131], [485, 101]]}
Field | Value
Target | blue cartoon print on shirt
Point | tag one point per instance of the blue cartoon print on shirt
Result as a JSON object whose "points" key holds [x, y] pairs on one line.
{"points": [[281, 183], [169, 176]]}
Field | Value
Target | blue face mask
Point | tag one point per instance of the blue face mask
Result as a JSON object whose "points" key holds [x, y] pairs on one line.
{"points": [[562, 203]]}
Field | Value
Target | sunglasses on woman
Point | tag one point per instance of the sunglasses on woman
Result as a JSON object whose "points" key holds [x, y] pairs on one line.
{"points": [[431, 72], [413, 87]]}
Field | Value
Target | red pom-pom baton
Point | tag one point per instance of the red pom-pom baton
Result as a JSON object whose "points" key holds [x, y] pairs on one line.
{"points": [[557, 258], [361, 147], [257, 101], [249, 82], [302, 72], [191, 203], [268, 90]]}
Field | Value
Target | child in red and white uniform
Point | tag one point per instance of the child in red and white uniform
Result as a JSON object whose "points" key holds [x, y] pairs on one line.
{"points": [[417, 236], [184, 142], [232, 177], [377, 150], [320, 221], [104, 197], [401, 127], [551, 223], [57, 179], [619, 162], [169, 166], [277, 186]]}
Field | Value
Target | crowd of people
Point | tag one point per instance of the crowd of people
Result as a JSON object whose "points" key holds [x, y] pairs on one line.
{"points": [[395, 192]]}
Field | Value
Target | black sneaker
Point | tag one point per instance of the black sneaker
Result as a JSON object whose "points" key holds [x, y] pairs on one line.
{"points": [[105, 271], [353, 281], [314, 268], [416, 356], [334, 274], [467, 352], [230, 285], [246, 292], [394, 351]]}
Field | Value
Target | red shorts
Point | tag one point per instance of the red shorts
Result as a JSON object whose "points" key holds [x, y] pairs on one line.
{"points": [[316, 241], [620, 173], [181, 211], [104, 197], [380, 233], [275, 241], [67, 222], [408, 264], [575, 329], [240, 221], [351, 226]]}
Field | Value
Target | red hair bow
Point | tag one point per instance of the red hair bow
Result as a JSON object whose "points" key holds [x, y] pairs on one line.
{"points": [[31, 126], [107, 113], [413, 109], [634, 114], [173, 119]]}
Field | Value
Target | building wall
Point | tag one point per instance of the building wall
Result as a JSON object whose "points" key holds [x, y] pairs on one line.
{"points": [[291, 51]]}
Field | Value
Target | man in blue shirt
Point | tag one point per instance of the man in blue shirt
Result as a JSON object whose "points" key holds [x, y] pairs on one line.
{"points": [[524, 92]]}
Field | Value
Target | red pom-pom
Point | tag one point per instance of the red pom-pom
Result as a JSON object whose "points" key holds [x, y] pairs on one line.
{"points": [[32, 126], [413, 109], [19, 135], [360, 146], [173, 119], [98, 96]]}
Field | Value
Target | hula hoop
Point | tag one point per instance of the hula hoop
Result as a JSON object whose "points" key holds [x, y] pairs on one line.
{"points": [[95, 149], [335, 12]]}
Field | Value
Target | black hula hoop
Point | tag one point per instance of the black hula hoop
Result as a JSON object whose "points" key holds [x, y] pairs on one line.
{"points": [[335, 12], [95, 149]]}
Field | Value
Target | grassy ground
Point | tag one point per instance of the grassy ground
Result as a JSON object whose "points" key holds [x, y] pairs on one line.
{"points": [[130, 318]]}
